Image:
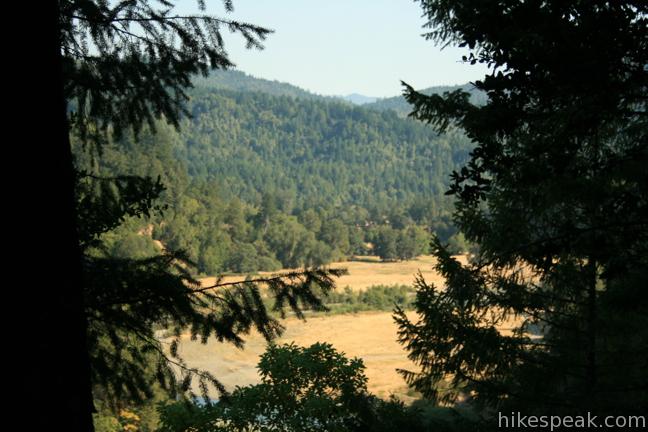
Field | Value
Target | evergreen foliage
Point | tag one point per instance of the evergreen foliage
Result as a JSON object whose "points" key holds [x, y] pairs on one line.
{"points": [[128, 63], [555, 195], [127, 66]]}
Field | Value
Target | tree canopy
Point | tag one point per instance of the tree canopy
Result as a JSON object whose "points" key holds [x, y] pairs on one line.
{"points": [[555, 197], [302, 389]]}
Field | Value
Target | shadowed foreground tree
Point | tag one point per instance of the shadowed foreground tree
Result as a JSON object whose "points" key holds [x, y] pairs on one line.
{"points": [[123, 65], [556, 198]]}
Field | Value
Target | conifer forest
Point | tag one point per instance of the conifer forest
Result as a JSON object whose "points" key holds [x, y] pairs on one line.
{"points": [[241, 253]]}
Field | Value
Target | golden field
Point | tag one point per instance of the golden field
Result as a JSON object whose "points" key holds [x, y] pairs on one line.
{"points": [[369, 335]]}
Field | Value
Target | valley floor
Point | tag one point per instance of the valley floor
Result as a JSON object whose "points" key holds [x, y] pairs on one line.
{"points": [[369, 335], [369, 270]]}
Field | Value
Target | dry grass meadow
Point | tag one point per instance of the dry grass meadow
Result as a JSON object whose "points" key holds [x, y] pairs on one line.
{"points": [[369, 335], [366, 271]]}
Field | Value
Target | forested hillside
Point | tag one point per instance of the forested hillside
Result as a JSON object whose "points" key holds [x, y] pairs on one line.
{"points": [[259, 180], [240, 81]]}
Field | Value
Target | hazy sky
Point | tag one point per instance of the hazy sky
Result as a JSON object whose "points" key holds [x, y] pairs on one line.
{"points": [[337, 47]]}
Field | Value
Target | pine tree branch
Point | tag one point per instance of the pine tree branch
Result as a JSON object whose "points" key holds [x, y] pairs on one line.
{"points": [[291, 275], [153, 343], [162, 19]]}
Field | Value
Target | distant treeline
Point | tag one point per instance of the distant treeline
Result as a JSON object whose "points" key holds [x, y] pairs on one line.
{"points": [[374, 298], [261, 182]]}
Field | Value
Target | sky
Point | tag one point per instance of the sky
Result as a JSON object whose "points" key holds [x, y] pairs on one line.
{"points": [[338, 47]]}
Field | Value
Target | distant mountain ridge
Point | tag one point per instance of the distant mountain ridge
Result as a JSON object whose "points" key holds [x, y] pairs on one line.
{"points": [[236, 80], [402, 108], [358, 99]]}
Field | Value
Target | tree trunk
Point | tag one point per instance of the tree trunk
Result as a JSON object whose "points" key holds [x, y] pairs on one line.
{"points": [[53, 370]]}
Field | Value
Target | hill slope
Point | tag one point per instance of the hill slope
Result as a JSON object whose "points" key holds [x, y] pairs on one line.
{"points": [[258, 180], [319, 151]]}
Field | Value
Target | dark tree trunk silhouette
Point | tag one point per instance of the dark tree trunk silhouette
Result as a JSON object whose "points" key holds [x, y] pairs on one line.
{"points": [[54, 383]]}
